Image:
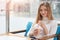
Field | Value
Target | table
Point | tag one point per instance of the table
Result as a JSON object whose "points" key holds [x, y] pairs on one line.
{"points": [[13, 37]]}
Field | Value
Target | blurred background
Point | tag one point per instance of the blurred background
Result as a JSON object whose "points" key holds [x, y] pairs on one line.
{"points": [[15, 14]]}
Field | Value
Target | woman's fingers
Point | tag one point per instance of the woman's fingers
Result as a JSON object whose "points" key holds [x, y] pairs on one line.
{"points": [[36, 31], [41, 24]]}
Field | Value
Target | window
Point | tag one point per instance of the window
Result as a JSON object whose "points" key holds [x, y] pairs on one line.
{"points": [[2, 16]]}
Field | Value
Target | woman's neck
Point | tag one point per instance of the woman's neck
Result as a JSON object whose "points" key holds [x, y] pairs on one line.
{"points": [[45, 19]]}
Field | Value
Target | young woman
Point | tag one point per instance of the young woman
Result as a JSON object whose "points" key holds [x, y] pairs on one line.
{"points": [[45, 24]]}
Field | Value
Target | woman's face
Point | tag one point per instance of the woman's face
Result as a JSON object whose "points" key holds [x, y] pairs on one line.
{"points": [[43, 11]]}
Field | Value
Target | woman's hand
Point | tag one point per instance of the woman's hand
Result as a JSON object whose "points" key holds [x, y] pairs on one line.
{"points": [[43, 26], [42, 39], [36, 32]]}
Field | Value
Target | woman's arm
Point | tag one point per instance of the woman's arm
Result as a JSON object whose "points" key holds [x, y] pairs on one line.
{"points": [[53, 27], [47, 37], [44, 28], [52, 31]]}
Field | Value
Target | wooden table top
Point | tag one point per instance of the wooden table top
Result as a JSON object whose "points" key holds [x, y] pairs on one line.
{"points": [[13, 36]]}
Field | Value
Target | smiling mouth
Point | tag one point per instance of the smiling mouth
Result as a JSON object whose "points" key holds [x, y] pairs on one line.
{"points": [[42, 14]]}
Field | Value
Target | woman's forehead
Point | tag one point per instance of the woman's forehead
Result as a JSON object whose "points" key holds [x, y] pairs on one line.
{"points": [[43, 7]]}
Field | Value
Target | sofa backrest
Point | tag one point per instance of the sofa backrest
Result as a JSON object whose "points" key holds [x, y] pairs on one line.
{"points": [[58, 32], [28, 28]]}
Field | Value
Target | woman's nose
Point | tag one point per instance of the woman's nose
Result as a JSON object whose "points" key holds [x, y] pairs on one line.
{"points": [[43, 11]]}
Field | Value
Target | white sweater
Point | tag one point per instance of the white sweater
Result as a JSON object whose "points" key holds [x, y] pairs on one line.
{"points": [[51, 26]]}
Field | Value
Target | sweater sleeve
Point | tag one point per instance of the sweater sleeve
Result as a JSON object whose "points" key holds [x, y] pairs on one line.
{"points": [[53, 28]]}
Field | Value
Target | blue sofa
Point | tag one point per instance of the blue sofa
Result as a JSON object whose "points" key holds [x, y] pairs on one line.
{"points": [[30, 24]]}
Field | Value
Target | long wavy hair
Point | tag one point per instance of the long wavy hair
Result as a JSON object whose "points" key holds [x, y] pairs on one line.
{"points": [[49, 12]]}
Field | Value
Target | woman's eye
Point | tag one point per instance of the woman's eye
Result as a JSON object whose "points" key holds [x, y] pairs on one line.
{"points": [[40, 9], [45, 9]]}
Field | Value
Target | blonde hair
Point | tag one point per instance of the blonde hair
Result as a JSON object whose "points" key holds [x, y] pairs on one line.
{"points": [[49, 12]]}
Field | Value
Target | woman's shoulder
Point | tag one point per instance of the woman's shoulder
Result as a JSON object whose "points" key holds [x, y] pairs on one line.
{"points": [[53, 21]]}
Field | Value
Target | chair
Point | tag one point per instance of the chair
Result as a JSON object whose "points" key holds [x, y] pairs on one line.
{"points": [[28, 27], [58, 32]]}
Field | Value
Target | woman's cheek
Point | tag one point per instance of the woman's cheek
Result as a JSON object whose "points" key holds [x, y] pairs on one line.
{"points": [[46, 14]]}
